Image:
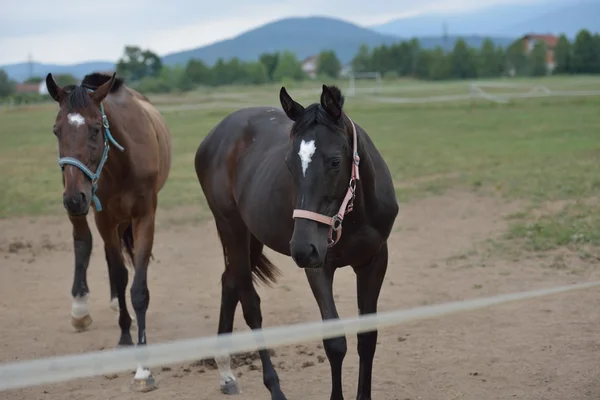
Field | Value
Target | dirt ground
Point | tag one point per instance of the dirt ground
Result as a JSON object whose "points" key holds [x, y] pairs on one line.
{"points": [[546, 348]]}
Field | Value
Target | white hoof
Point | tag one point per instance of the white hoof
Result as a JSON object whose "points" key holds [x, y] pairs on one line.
{"points": [[143, 381]]}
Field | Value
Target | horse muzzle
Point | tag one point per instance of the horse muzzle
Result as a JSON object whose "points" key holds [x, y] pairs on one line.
{"points": [[76, 204]]}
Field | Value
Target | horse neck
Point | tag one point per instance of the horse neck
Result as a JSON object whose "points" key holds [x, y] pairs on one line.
{"points": [[116, 162], [365, 189]]}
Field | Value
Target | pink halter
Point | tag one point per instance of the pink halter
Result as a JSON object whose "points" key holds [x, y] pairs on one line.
{"points": [[335, 222]]}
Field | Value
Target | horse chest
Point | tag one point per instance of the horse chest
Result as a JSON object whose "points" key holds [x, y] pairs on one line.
{"points": [[356, 247]]}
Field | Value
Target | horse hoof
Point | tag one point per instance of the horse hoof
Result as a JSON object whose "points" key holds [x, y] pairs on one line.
{"points": [[114, 304], [81, 324], [230, 387], [143, 382]]}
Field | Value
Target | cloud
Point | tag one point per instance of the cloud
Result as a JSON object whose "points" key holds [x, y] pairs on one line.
{"points": [[68, 31]]}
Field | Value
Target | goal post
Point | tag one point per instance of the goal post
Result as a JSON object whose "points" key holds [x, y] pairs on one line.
{"points": [[353, 76]]}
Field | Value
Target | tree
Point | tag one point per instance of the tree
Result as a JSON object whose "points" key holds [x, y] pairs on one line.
{"points": [[269, 61], [137, 64], [288, 67], [362, 60], [423, 64], [491, 59], [597, 53], [441, 65], [197, 73], [537, 59], [256, 73], [328, 64], [34, 79], [562, 56], [585, 58], [516, 58], [463, 61], [7, 86], [406, 57]]}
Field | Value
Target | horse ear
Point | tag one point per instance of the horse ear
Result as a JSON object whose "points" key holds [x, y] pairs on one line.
{"points": [[99, 94], [332, 101], [55, 91], [292, 109]]}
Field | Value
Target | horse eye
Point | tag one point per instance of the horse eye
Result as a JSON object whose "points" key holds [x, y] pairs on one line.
{"points": [[335, 163]]}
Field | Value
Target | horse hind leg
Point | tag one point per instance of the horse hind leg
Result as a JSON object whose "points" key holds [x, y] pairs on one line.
{"points": [[243, 253], [229, 302]]}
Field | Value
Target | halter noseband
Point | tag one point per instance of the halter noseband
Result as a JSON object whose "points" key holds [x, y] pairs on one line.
{"points": [[335, 222], [94, 177]]}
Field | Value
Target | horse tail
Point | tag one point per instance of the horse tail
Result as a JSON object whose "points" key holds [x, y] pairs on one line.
{"points": [[127, 243], [265, 270]]}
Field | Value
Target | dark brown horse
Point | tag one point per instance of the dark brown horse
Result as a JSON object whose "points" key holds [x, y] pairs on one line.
{"points": [[104, 114], [259, 168]]}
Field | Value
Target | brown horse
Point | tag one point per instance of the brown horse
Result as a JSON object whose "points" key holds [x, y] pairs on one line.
{"points": [[259, 168], [100, 114]]}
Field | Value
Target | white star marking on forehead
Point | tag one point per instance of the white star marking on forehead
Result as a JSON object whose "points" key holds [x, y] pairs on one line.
{"points": [[76, 119], [307, 149]]}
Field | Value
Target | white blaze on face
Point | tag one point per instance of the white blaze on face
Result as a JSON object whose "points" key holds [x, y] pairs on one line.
{"points": [[307, 149], [76, 119]]}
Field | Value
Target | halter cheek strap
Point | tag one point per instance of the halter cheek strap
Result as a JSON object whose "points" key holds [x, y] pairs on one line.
{"points": [[335, 222], [94, 176]]}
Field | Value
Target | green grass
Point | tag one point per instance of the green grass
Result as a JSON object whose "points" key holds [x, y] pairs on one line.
{"points": [[531, 149], [575, 226]]}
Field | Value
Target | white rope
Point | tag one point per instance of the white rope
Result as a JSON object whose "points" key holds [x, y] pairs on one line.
{"points": [[63, 368]]}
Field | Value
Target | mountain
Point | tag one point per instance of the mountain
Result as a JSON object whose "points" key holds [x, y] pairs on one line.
{"points": [[568, 20], [304, 36], [20, 71], [554, 16]]}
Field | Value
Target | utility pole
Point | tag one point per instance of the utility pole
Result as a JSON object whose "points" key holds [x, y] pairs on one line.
{"points": [[445, 35], [30, 65]]}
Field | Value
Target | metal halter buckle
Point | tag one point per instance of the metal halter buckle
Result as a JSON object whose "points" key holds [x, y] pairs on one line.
{"points": [[337, 223]]}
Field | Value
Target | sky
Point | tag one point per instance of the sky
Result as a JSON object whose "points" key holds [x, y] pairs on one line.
{"points": [[71, 31]]}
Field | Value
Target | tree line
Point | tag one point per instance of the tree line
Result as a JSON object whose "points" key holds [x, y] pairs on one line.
{"points": [[144, 70], [408, 59]]}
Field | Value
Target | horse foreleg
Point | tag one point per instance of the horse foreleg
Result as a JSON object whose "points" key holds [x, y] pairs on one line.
{"points": [[82, 246], [369, 279], [117, 272], [143, 234], [321, 284]]}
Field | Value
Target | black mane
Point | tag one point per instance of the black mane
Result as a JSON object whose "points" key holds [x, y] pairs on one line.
{"points": [[78, 98], [97, 79], [315, 114]]}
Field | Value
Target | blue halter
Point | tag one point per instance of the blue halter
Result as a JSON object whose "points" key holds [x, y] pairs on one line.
{"points": [[94, 177]]}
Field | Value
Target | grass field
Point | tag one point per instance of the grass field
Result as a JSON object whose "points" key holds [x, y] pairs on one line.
{"points": [[535, 150]]}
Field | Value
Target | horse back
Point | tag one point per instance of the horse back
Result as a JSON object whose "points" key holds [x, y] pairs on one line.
{"points": [[162, 134], [144, 133], [236, 148]]}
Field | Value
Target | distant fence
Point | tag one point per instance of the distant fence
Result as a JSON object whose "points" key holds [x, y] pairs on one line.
{"points": [[476, 91]]}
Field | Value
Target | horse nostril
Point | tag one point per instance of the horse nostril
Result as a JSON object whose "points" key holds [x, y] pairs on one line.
{"points": [[314, 253], [82, 198]]}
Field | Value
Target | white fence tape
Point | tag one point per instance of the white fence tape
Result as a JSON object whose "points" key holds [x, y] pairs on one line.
{"points": [[63, 368]]}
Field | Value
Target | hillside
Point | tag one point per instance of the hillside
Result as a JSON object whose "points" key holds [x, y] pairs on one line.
{"points": [[304, 36], [20, 71], [555, 16]]}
